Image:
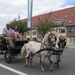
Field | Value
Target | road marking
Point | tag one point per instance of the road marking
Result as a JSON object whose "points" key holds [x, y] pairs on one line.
{"points": [[13, 70]]}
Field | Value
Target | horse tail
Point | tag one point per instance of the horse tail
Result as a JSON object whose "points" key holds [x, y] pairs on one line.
{"points": [[23, 51]]}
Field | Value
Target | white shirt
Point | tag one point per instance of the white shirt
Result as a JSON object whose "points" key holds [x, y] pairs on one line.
{"points": [[8, 32]]}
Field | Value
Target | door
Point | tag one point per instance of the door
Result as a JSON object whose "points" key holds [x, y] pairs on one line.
{"points": [[71, 39]]}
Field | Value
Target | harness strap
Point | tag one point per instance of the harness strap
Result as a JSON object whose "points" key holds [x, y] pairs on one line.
{"points": [[48, 49], [44, 47]]}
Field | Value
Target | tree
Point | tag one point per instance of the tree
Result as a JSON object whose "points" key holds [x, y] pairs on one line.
{"points": [[45, 25], [22, 26]]}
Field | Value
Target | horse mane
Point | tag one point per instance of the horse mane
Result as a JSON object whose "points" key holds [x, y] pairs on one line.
{"points": [[45, 37]]}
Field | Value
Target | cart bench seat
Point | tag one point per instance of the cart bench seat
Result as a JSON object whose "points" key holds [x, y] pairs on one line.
{"points": [[19, 44]]}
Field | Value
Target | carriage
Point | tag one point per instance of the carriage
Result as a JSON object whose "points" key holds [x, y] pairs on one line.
{"points": [[11, 52]]}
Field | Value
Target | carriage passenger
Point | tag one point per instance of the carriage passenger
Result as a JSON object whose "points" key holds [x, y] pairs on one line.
{"points": [[15, 34], [7, 34]]}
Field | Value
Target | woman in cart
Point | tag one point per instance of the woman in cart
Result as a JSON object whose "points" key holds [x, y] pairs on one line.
{"points": [[15, 34]]}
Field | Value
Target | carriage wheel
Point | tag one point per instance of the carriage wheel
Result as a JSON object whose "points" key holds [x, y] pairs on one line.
{"points": [[8, 57]]}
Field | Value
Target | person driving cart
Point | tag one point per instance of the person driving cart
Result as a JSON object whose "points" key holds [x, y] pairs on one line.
{"points": [[7, 34]]}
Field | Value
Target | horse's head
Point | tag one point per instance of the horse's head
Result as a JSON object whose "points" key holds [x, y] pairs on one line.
{"points": [[52, 39], [62, 42]]}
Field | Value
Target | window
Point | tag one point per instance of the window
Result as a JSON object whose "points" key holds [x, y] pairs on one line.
{"points": [[37, 21], [54, 17], [34, 39], [34, 32], [72, 14], [50, 19], [60, 23], [66, 15], [62, 30], [28, 39], [70, 29], [71, 39], [70, 21], [28, 33]]}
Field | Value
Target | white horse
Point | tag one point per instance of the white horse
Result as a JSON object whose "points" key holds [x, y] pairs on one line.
{"points": [[40, 49]]}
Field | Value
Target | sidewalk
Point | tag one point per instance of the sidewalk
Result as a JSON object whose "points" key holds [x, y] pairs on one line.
{"points": [[71, 45]]}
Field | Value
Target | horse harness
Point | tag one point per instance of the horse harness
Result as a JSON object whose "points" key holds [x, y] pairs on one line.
{"points": [[44, 47], [47, 47], [50, 42]]}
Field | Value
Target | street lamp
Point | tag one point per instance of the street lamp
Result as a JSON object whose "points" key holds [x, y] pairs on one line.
{"points": [[30, 3]]}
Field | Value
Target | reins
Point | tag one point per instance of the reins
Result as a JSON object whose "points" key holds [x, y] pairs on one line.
{"points": [[48, 49]]}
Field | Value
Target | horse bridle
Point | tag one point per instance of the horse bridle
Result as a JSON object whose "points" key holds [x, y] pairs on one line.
{"points": [[50, 43], [49, 38], [61, 41]]}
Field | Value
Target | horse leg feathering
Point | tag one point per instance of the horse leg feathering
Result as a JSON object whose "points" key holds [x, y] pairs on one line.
{"points": [[51, 63], [31, 61], [42, 63], [58, 60]]}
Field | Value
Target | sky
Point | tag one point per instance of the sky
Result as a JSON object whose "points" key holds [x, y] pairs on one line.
{"points": [[10, 9]]}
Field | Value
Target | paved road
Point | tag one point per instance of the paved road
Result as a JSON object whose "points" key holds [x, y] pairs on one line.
{"points": [[67, 65]]}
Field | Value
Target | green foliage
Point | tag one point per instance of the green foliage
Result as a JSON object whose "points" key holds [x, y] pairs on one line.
{"points": [[45, 25], [22, 26], [66, 47]]}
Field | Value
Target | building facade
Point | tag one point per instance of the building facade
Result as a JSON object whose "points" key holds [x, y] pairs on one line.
{"points": [[65, 20]]}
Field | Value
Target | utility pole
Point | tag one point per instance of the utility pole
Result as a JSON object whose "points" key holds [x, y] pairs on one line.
{"points": [[30, 4]]}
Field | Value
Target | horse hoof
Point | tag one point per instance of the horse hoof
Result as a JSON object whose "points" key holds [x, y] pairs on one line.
{"points": [[32, 66], [57, 66], [55, 63], [25, 65], [51, 69], [43, 70]]}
